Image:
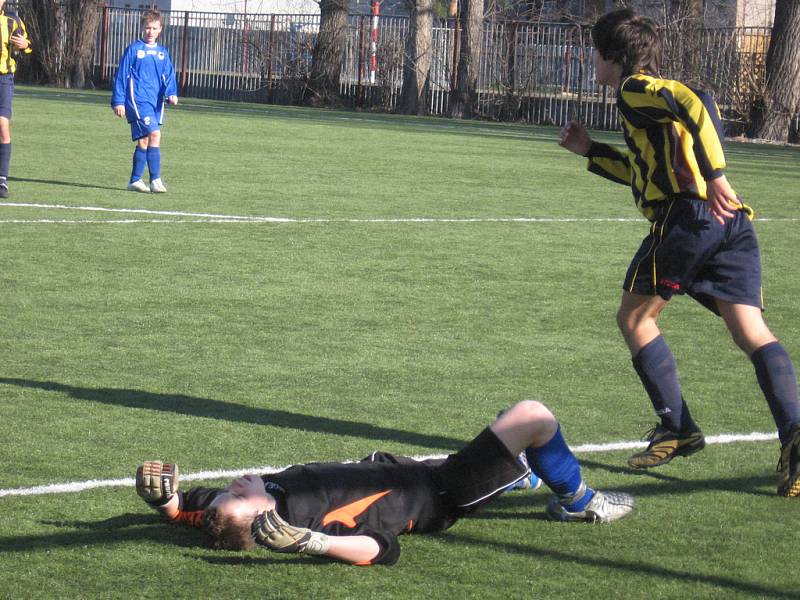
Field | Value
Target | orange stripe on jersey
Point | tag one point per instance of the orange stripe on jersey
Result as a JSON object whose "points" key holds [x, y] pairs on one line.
{"points": [[193, 518], [347, 514]]}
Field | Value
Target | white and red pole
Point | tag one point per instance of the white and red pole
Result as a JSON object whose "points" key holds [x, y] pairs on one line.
{"points": [[373, 41]]}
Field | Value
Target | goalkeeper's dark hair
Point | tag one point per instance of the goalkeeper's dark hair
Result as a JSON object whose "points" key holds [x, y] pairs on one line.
{"points": [[628, 39], [224, 532]]}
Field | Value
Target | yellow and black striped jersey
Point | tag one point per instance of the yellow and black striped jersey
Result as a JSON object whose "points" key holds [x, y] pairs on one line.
{"points": [[10, 24], [674, 138]]}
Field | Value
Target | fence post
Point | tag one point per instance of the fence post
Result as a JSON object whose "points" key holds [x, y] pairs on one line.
{"points": [[269, 54], [362, 50], [373, 43], [185, 57], [580, 73]]}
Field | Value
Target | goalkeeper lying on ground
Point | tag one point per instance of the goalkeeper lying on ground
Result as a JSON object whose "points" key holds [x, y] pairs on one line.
{"points": [[354, 512]]}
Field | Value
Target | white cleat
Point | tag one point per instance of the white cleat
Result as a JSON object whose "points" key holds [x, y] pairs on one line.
{"points": [[604, 507], [138, 186], [157, 186]]}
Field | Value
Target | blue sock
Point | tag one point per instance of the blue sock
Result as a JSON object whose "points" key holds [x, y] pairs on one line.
{"points": [[5, 160], [656, 367], [139, 163], [559, 469], [154, 162], [778, 381]]}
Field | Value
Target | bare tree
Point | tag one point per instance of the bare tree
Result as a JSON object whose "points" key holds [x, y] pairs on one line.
{"points": [[64, 34], [780, 100], [464, 95], [418, 58], [329, 52]]}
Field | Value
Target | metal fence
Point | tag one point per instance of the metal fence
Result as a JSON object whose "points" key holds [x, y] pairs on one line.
{"points": [[534, 72]]}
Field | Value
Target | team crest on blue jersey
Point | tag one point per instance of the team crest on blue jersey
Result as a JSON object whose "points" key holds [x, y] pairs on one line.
{"points": [[140, 54], [160, 56]]}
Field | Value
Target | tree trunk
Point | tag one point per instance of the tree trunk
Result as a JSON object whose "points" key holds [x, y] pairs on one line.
{"points": [[64, 36], [417, 59], [83, 20], [329, 50], [464, 96], [773, 110]]}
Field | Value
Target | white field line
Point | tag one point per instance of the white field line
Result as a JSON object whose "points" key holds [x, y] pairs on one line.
{"points": [[79, 486], [190, 217]]}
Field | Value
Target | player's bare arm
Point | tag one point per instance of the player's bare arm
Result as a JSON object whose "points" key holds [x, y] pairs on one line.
{"points": [[575, 138], [722, 200]]}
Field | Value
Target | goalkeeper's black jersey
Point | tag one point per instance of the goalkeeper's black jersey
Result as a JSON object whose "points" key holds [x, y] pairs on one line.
{"points": [[382, 496]]}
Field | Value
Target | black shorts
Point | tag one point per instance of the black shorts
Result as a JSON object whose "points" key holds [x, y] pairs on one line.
{"points": [[478, 472], [6, 95], [689, 252]]}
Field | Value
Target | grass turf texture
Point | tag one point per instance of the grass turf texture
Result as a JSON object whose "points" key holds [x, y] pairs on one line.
{"points": [[228, 345]]}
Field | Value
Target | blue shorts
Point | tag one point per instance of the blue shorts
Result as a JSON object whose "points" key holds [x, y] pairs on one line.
{"points": [[6, 95], [147, 123], [689, 252]]}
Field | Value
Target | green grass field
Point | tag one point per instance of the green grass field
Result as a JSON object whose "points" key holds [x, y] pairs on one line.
{"points": [[234, 342]]}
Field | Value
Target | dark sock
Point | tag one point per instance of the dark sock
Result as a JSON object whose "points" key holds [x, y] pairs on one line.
{"points": [[656, 368], [778, 380], [5, 160]]}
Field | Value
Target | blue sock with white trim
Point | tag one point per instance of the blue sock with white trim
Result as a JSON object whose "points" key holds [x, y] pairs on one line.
{"points": [[559, 469], [154, 162], [139, 163]]}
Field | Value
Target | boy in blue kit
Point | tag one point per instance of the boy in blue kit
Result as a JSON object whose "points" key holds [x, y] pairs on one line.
{"points": [[13, 40], [145, 78], [701, 240]]}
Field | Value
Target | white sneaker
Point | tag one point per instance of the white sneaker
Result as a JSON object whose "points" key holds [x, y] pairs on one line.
{"points": [[157, 186], [138, 186], [602, 508]]}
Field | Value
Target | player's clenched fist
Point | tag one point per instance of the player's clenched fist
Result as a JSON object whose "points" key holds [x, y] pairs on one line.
{"points": [[270, 530], [575, 138], [156, 482]]}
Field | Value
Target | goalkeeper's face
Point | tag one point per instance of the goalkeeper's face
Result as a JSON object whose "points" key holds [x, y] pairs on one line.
{"points": [[244, 498]]}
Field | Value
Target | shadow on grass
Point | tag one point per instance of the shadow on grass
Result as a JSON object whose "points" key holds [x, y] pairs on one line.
{"points": [[237, 413], [567, 560], [68, 183], [129, 527]]}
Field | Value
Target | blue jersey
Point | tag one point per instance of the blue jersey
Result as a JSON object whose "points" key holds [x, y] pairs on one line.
{"points": [[144, 78]]}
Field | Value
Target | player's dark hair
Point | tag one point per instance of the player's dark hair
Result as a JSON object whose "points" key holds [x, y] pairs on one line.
{"points": [[224, 532], [628, 39], [150, 15]]}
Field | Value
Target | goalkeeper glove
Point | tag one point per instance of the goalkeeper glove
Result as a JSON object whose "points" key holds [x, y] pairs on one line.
{"points": [[270, 530], [157, 482]]}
